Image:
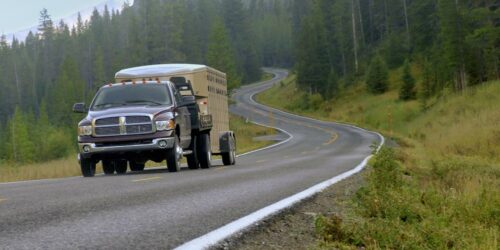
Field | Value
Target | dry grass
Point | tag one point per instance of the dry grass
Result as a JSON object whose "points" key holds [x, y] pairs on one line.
{"points": [[246, 132], [53, 169], [68, 166]]}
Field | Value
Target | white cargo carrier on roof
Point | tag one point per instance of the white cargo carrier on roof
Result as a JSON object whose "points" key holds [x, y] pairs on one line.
{"points": [[209, 87]]}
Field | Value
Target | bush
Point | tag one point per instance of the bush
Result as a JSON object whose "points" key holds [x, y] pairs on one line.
{"points": [[57, 144], [377, 77]]}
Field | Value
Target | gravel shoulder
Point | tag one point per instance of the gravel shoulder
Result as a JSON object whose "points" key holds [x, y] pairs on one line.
{"points": [[294, 227]]}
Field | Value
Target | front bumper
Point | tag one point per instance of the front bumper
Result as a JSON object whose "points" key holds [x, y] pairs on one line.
{"points": [[156, 144]]}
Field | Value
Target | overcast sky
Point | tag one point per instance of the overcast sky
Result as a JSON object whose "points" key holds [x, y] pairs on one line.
{"points": [[16, 15]]}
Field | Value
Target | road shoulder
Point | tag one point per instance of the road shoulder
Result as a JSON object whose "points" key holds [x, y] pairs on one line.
{"points": [[294, 228]]}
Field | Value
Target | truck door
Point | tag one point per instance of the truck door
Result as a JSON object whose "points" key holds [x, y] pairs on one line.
{"points": [[184, 118]]}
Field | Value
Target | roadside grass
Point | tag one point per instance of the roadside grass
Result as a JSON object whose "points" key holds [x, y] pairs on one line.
{"points": [[440, 189], [266, 76], [68, 166], [246, 132]]}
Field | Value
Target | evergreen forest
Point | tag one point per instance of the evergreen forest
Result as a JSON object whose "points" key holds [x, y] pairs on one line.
{"points": [[330, 44]]}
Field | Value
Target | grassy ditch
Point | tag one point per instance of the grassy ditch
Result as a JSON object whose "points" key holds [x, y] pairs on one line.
{"points": [[68, 166], [439, 190]]}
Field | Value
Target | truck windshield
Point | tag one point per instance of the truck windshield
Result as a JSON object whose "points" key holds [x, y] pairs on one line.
{"points": [[130, 95]]}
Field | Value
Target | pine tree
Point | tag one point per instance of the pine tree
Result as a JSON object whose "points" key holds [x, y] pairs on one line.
{"points": [[237, 24], [20, 147], [220, 54], [377, 77], [407, 91], [313, 65], [452, 36], [68, 90]]}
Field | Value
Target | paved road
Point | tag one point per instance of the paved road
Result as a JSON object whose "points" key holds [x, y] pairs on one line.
{"points": [[156, 209]]}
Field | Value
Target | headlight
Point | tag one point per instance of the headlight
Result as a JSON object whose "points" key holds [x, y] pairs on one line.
{"points": [[165, 125], [84, 130]]}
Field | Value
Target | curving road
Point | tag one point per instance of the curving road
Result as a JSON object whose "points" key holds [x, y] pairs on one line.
{"points": [[156, 209]]}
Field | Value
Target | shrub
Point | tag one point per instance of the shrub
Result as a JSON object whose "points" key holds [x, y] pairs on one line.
{"points": [[57, 144], [377, 78]]}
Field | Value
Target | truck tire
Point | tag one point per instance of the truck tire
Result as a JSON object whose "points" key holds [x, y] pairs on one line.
{"points": [[203, 151], [174, 155], [108, 167], [120, 166], [88, 167], [136, 167], [229, 158], [192, 159]]}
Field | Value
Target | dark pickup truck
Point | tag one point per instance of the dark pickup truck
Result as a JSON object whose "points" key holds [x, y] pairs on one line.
{"points": [[131, 123]]}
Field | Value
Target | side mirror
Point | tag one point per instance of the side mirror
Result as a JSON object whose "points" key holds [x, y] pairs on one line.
{"points": [[79, 108], [188, 100]]}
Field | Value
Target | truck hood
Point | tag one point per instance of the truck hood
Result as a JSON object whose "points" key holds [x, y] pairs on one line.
{"points": [[126, 111]]}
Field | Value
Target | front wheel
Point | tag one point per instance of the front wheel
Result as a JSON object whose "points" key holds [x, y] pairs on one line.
{"points": [[203, 151], [108, 167], [120, 166], [137, 167], [174, 155], [192, 159], [88, 167]]}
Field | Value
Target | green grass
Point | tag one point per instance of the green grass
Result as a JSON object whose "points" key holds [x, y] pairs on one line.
{"points": [[68, 166], [440, 189], [266, 76], [246, 132]]}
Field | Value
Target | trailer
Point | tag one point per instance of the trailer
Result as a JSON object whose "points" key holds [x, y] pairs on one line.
{"points": [[210, 115]]}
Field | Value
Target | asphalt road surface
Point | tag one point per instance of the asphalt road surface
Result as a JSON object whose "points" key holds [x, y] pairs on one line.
{"points": [[156, 209]]}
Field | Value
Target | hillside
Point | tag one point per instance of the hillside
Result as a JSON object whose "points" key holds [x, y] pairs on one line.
{"points": [[447, 163]]}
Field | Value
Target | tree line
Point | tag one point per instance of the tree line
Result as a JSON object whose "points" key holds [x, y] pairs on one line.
{"points": [[42, 76], [455, 43], [331, 44]]}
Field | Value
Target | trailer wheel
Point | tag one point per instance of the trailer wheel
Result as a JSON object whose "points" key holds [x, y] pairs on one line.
{"points": [[192, 159], [108, 167], [204, 151], [88, 167], [174, 155], [136, 167], [229, 158], [120, 166]]}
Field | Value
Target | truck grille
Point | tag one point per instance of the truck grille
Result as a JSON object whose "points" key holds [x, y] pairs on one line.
{"points": [[124, 125]]}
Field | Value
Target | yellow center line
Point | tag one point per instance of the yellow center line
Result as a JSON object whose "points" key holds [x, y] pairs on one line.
{"points": [[221, 168], [148, 179], [334, 137], [261, 161]]}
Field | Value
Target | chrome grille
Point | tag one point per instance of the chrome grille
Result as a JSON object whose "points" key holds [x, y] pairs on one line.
{"points": [[107, 131], [108, 121], [137, 119], [124, 125], [139, 129]]}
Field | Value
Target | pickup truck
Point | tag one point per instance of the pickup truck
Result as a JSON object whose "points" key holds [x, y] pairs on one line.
{"points": [[133, 122]]}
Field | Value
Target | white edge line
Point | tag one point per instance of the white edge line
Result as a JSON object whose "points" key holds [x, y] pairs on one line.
{"points": [[290, 137], [216, 236]]}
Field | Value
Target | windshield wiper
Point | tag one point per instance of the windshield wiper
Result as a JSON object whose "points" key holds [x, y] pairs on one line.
{"points": [[145, 101], [109, 105]]}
